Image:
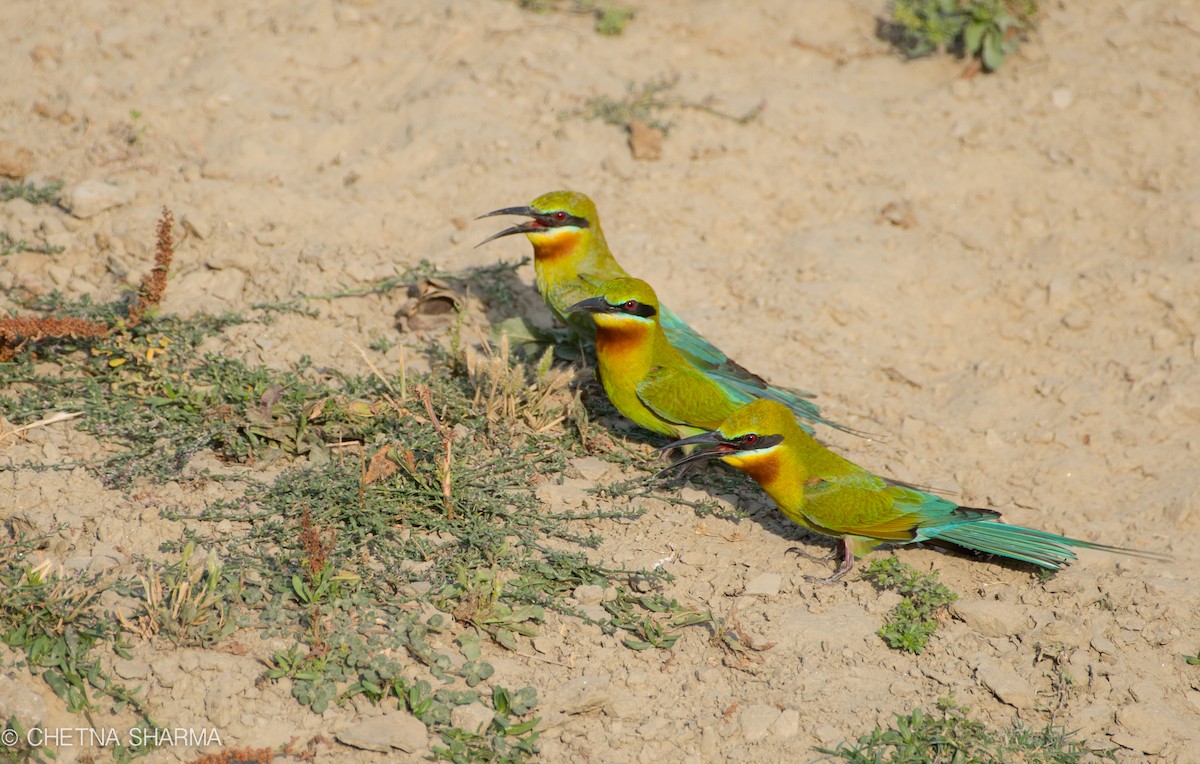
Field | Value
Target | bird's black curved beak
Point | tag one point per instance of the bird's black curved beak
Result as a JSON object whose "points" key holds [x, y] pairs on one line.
{"points": [[713, 438], [526, 211], [519, 228], [590, 305], [703, 439]]}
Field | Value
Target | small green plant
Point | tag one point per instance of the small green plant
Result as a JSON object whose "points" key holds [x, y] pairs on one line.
{"points": [[474, 670], [984, 30], [647, 102], [11, 246], [510, 390], [382, 344], [184, 602], [611, 18], [474, 598], [949, 735], [662, 624], [317, 582], [1193, 660], [913, 621], [30, 192], [505, 740], [643, 102], [53, 619], [137, 128]]}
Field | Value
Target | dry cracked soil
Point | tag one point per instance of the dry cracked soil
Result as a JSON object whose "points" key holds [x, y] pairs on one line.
{"points": [[996, 274]]}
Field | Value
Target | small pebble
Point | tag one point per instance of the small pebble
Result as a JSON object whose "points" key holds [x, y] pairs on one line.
{"points": [[91, 197], [472, 717], [756, 720], [765, 585]]}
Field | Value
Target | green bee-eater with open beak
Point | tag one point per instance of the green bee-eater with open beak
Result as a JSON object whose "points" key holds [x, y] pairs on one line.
{"points": [[644, 376], [572, 260], [826, 494]]}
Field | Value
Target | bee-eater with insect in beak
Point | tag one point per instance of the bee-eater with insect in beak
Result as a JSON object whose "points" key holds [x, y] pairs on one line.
{"points": [[644, 376], [826, 494], [571, 259]]}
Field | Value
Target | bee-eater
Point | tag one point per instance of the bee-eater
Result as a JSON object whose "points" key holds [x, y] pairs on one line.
{"points": [[819, 490], [572, 260], [644, 376]]}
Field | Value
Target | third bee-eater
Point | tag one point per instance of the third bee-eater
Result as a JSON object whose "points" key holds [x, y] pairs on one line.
{"points": [[826, 494], [571, 259], [644, 376]]}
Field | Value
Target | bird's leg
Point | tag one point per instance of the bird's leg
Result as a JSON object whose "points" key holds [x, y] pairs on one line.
{"points": [[847, 560], [845, 567]]}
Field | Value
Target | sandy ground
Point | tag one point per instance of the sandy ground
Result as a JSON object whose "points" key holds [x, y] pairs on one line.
{"points": [[999, 275]]}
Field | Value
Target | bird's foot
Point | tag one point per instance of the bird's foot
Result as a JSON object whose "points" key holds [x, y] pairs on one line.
{"points": [[845, 567], [824, 579], [837, 575], [808, 556]]}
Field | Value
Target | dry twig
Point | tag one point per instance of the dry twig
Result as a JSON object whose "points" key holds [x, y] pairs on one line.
{"points": [[446, 461]]}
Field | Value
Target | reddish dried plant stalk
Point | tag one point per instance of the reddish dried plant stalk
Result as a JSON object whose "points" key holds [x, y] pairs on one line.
{"points": [[150, 293], [245, 755], [17, 331]]}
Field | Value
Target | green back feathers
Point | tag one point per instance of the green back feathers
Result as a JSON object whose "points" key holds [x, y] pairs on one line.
{"points": [[644, 376]]}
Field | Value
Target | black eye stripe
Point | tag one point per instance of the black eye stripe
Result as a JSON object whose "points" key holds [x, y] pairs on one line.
{"points": [[759, 442], [550, 220], [639, 309]]}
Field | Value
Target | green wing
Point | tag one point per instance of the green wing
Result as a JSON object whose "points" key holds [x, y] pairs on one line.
{"points": [[862, 504], [737, 381], [858, 503], [562, 296], [683, 396]]}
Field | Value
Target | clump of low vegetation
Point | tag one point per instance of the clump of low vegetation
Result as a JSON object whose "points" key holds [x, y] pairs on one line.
{"points": [[188, 604], [985, 31], [66, 637], [11, 246], [31, 192], [34, 194], [914, 620], [949, 735], [611, 18], [647, 102], [641, 113]]}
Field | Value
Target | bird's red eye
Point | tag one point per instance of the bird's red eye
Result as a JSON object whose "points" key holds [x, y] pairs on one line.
{"points": [[630, 305], [560, 215], [750, 439]]}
